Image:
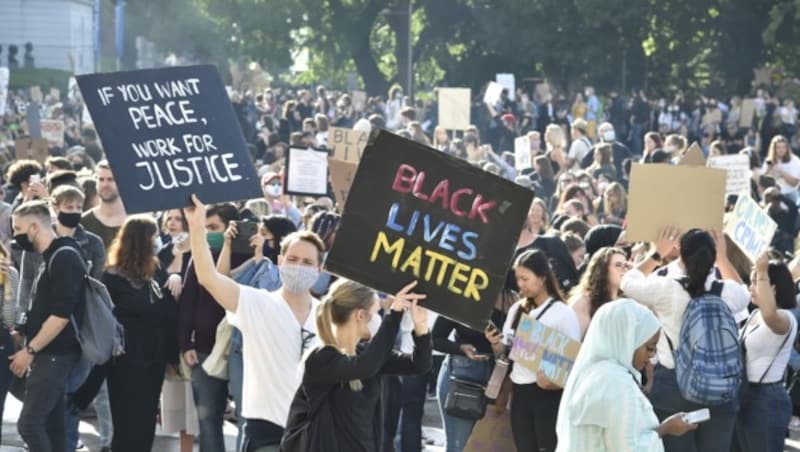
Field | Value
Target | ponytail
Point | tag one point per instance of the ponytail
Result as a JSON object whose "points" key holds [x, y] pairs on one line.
{"points": [[325, 323], [698, 253]]}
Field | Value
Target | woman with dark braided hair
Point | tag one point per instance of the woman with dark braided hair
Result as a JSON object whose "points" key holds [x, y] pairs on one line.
{"points": [[599, 284]]}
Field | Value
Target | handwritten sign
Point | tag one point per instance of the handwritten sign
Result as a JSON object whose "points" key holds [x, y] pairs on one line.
{"points": [[169, 133], [454, 108], [492, 94], [539, 347], [414, 213], [359, 100], [53, 131], [307, 172], [750, 227], [737, 167], [509, 82], [31, 148], [522, 153], [347, 144], [342, 174], [4, 75]]}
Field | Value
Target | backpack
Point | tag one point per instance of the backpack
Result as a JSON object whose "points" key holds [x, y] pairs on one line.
{"points": [[708, 360], [303, 411], [100, 335]]}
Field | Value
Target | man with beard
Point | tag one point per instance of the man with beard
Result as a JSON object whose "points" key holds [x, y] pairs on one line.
{"points": [[107, 217]]}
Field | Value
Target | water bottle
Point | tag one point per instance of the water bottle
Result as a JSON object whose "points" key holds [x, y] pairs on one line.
{"points": [[497, 378]]}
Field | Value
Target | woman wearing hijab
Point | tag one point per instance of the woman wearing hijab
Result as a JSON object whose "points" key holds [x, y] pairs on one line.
{"points": [[603, 407]]}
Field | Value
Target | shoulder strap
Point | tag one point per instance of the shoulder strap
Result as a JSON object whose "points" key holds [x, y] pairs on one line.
{"points": [[777, 353], [550, 303], [518, 315], [67, 247]]}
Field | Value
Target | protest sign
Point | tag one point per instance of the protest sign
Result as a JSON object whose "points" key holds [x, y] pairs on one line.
{"points": [[34, 118], [415, 213], [3, 89], [509, 82], [53, 131], [86, 117], [55, 93], [492, 434], [169, 133], [683, 196], [539, 347], [750, 227], [454, 108], [342, 174], [693, 156], [347, 144], [36, 94], [359, 100], [306, 172], [737, 167], [492, 94], [712, 117], [542, 91], [746, 113], [31, 148], [522, 153]]}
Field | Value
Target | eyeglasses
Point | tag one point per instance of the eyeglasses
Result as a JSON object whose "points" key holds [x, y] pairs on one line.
{"points": [[623, 265], [306, 337]]}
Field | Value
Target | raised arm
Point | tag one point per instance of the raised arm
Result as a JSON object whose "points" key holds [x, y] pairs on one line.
{"points": [[778, 322], [224, 290]]}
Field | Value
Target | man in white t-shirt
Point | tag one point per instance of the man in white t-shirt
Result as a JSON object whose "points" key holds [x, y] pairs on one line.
{"points": [[581, 144], [277, 327]]}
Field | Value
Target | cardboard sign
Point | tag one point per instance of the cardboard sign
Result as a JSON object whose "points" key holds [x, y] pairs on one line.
{"points": [[746, 113], [539, 347], [36, 94], [342, 174], [169, 133], [492, 434], [347, 144], [454, 108], [509, 82], [522, 153], [415, 213], [492, 94], [693, 156], [55, 93], [359, 100], [737, 167], [306, 172], [712, 117], [750, 227], [33, 116], [31, 148], [4, 75], [53, 131], [674, 195]]}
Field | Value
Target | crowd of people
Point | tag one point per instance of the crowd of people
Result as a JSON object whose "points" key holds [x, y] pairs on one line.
{"points": [[229, 304]]}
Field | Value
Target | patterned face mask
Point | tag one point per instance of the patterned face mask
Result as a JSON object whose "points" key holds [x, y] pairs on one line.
{"points": [[298, 278]]}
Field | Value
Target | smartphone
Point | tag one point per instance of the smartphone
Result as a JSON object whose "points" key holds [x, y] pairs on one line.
{"points": [[766, 181], [180, 238], [35, 178], [696, 417], [246, 230]]}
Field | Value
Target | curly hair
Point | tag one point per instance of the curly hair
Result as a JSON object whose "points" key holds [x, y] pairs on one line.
{"points": [[594, 282], [131, 252]]}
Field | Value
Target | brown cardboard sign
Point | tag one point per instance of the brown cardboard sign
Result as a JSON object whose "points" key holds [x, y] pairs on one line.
{"points": [[53, 131], [693, 156], [31, 148], [748, 110], [347, 144], [454, 108], [342, 174], [683, 196]]}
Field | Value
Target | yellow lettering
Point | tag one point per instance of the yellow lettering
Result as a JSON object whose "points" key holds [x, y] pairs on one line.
{"points": [[457, 276], [414, 260], [382, 243], [473, 286]]}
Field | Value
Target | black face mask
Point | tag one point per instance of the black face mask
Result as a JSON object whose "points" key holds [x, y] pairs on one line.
{"points": [[69, 220], [24, 242]]}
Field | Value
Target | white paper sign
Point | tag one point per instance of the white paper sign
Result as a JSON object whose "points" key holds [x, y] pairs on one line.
{"points": [[492, 94], [3, 89], [750, 227], [509, 82], [454, 108], [738, 168], [307, 172], [522, 153], [86, 117], [53, 131]]}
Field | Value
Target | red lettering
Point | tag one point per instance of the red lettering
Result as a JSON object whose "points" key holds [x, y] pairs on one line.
{"points": [[441, 191], [418, 187], [404, 179], [479, 207], [454, 201]]}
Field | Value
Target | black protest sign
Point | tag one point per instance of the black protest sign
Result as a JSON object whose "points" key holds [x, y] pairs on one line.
{"points": [[169, 133], [414, 213]]}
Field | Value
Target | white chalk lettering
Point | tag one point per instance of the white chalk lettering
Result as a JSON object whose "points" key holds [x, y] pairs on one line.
{"points": [[178, 88], [155, 116], [157, 147], [200, 144], [135, 93]]}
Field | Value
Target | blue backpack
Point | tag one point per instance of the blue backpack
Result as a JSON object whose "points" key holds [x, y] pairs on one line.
{"points": [[708, 360]]}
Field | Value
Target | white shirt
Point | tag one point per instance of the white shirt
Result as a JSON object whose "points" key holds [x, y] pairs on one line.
{"points": [[668, 299], [272, 348], [406, 328], [559, 317], [762, 348], [792, 168], [578, 150]]}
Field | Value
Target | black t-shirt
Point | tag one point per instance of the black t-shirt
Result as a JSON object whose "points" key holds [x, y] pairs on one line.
{"points": [[58, 293]]}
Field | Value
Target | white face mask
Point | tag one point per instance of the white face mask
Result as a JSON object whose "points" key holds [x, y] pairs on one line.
{"points": [[609, 135], [374, 325], [274, 190], [298, 278]]}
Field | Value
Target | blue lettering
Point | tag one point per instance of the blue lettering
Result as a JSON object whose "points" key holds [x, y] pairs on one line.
{"points": [[429, 235], [467, 239], [449, 236], [391, 222]]}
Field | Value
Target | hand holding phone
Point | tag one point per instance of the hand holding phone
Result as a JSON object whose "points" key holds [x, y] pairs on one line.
{"points": [[696, 417]]}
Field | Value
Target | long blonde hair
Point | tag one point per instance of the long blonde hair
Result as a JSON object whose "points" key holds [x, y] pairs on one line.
{"points": [[344, 298]]}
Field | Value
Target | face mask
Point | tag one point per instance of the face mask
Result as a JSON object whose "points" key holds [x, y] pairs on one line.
{"points": [[24, 242], [374, 325], [298, 278], [609, 136], [215, 240], [274, 190], [69, 220]]}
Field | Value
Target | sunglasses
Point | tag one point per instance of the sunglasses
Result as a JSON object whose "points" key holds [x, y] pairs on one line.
{"points": [[306, 336]]}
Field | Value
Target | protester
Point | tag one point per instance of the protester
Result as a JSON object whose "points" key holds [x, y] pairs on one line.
{"points": [[148, 312], [9, 277], [105, 219], [599, 284], [344, 380], [783, 165], [603, 407]]}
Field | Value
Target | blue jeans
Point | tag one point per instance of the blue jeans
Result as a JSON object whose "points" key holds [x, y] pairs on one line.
{"points": [[457, 430], [763, 420], [714, 435], [210, 397], [235, 373], [412, 401], [72, 413]]}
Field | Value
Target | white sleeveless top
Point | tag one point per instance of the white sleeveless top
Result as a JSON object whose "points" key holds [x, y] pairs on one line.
{"points": [[762, 348]]}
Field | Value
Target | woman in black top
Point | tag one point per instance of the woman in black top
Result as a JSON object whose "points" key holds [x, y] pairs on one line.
{"points": [[468, 358], [342, 380], [148, 313]]}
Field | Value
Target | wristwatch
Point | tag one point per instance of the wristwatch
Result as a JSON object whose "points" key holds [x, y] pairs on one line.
{"points": [[30, 350], [656, 256]]}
